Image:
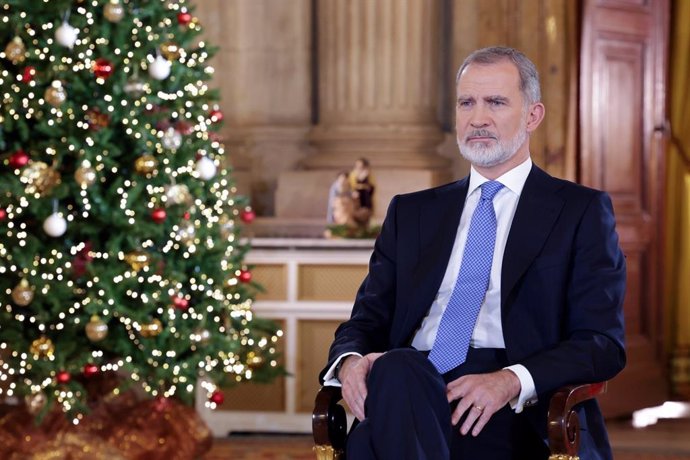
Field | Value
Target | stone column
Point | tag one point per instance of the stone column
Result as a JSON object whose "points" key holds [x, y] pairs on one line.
{"points": [[378, 83], [378, 78], [263, 71]]}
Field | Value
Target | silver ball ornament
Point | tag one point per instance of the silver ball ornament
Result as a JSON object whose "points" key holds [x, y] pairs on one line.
{"points": [[172, 139]]}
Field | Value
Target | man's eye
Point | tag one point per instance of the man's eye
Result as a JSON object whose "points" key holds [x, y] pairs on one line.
{"points": [[464, 103], [496, 102]]}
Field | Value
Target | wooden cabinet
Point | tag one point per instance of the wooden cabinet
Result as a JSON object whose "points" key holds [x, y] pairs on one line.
{"points": [[310, 286]]}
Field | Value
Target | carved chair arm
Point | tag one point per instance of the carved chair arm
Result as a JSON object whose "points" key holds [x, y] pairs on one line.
{"points": [[329, 424], [563, 422]]}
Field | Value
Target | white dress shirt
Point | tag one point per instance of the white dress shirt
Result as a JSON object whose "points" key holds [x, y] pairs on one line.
{"points": [[488, 330]]}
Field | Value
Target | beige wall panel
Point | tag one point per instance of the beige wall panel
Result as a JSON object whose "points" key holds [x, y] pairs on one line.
{"points": [[273, 278], [256, 397], [315, 338], [330, 282]]}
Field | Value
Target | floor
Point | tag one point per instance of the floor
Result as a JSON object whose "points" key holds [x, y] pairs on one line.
{"points": [[666, 440]]}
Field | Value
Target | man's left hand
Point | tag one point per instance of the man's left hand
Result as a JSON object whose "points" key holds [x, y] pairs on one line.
{"points": [[480, 396]]}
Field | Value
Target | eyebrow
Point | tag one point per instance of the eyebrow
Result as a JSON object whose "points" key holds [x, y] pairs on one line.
{"points": [[494, 98]]}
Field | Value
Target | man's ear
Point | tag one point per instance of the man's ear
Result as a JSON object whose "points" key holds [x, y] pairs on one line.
{"points": [[535, 116]]}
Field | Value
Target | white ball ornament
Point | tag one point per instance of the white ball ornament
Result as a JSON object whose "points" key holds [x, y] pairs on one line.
{"points": [[205, 168], [55, 225], [160, 68], [66, 35]]}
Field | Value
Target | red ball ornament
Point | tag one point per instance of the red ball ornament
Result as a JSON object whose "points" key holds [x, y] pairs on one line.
{"points": [[63, 377], [158, 215], [90, 369], [186, 215], [216, 115], [103, 68], [245, 276], [3, 214], [217, 397], [96, 119], [28, 74], [184, 18], [248, 216], [19, 159], [180, 302]]}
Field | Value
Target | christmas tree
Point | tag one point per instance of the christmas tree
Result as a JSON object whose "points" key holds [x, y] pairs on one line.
{"points": [[119, 227]]}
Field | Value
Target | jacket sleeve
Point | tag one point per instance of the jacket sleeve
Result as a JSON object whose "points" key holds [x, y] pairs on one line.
{"points": [[368, 328], [592, 346]]}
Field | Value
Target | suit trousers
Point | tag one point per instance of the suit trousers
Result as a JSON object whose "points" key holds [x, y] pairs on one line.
{"points": [[408, 415]]}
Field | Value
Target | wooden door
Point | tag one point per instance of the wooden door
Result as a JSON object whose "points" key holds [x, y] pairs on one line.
{"points": [[622, 112]]}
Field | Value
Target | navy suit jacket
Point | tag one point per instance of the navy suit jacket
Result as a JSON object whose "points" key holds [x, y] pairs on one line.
{"points": [[562, 287]]}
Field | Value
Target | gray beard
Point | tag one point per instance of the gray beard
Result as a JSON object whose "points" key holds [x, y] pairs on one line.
{"points": [[487, 156]]}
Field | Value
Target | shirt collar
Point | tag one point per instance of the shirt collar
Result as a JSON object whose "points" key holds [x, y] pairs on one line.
{"points": [[513, 180]]}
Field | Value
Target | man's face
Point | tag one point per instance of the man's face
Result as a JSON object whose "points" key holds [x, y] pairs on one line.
{"points": [[491, 116]]}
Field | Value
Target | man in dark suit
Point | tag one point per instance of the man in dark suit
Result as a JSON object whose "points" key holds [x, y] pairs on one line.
{"points": [[484, 296]]}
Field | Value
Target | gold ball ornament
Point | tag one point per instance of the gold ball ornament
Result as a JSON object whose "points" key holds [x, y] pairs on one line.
{"points": [[171, 51], [40, 178], [55, 95], [35, 402], [23, 293], [146, 165], [42, 347], [85, 175], [96, 329], [138, 259], [15, 51], [177, 194], [114, 11], [151, 329], [254, 360]]}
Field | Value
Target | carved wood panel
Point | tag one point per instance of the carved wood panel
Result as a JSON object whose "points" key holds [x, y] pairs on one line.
{"points": [[622, 100]]}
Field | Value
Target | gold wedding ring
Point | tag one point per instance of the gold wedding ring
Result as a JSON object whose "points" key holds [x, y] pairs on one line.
{"points": [[479, 408]]}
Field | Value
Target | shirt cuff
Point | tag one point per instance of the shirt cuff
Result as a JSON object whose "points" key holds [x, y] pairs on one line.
{"points": [[528, 392], [329, 379]]}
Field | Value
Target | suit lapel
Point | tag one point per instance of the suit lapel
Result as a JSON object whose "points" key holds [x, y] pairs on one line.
{"points": [[536, 213], [438, 225]]}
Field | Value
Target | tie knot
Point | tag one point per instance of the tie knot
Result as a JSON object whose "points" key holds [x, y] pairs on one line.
{"points": [[490, 189]]}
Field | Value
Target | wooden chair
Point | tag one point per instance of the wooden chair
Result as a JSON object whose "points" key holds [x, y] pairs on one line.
{"points": [[329, 423]]}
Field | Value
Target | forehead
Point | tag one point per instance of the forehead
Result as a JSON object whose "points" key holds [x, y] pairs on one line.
{"points": [[500, 78]]}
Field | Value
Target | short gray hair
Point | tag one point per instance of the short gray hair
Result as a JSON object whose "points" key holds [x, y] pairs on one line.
{"points": [[529, 77]]}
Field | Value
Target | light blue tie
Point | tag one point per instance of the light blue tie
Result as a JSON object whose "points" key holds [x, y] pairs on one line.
{"points": [[457, 323]]}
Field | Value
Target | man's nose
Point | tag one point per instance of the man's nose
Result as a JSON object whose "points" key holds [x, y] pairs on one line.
{"points": [[479, 117]]}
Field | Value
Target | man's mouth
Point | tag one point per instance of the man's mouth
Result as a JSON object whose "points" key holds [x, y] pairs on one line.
{"points": [[480, 136]]}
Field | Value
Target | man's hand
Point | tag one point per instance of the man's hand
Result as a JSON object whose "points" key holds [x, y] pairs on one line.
{"points": [[353, 376], [481, 395]]}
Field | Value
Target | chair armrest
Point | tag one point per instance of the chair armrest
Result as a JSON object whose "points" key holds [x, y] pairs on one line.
{"points": [[329, 424], [563, 423]]}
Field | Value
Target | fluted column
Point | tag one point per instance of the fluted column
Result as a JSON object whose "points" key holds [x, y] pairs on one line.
{"points": [[378, 76], [263, 73]]}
